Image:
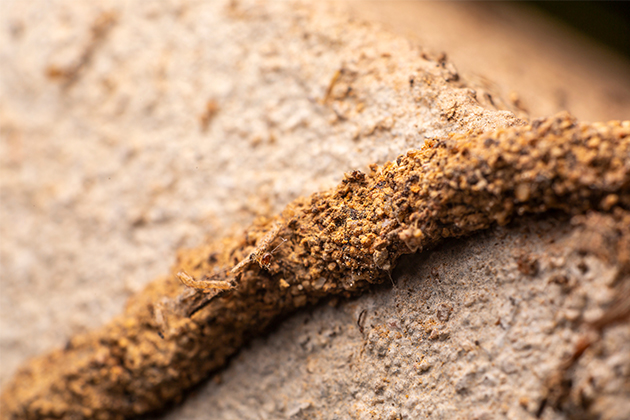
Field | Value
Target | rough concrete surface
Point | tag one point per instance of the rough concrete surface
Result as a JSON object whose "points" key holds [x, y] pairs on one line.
{"points": [[117, 147]]}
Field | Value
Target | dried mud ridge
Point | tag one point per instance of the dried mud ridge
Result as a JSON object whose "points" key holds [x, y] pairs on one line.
{"points": [[338, 242]]}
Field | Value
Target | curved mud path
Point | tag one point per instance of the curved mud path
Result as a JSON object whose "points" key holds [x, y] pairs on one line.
{"points": [[336, 242]]}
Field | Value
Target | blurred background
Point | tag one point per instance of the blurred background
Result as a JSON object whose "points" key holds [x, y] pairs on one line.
{"points": [[607, 22]]}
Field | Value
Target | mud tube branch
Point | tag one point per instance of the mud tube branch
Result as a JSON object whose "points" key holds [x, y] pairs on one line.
{"points": [[336, 242]]}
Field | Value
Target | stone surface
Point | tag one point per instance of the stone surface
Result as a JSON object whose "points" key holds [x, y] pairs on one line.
{"points": [[106, 173], [105, 177]]}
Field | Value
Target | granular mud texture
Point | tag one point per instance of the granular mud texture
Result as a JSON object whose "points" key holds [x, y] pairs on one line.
{"points": [[332, 243]]}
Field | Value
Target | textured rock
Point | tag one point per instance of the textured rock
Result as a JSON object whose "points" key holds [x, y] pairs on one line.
{"points": [[121, 129], [109, 175]]}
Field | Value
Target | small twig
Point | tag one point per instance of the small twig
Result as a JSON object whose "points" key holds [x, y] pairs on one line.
{"points": [[190, 281], [331, 85]]}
